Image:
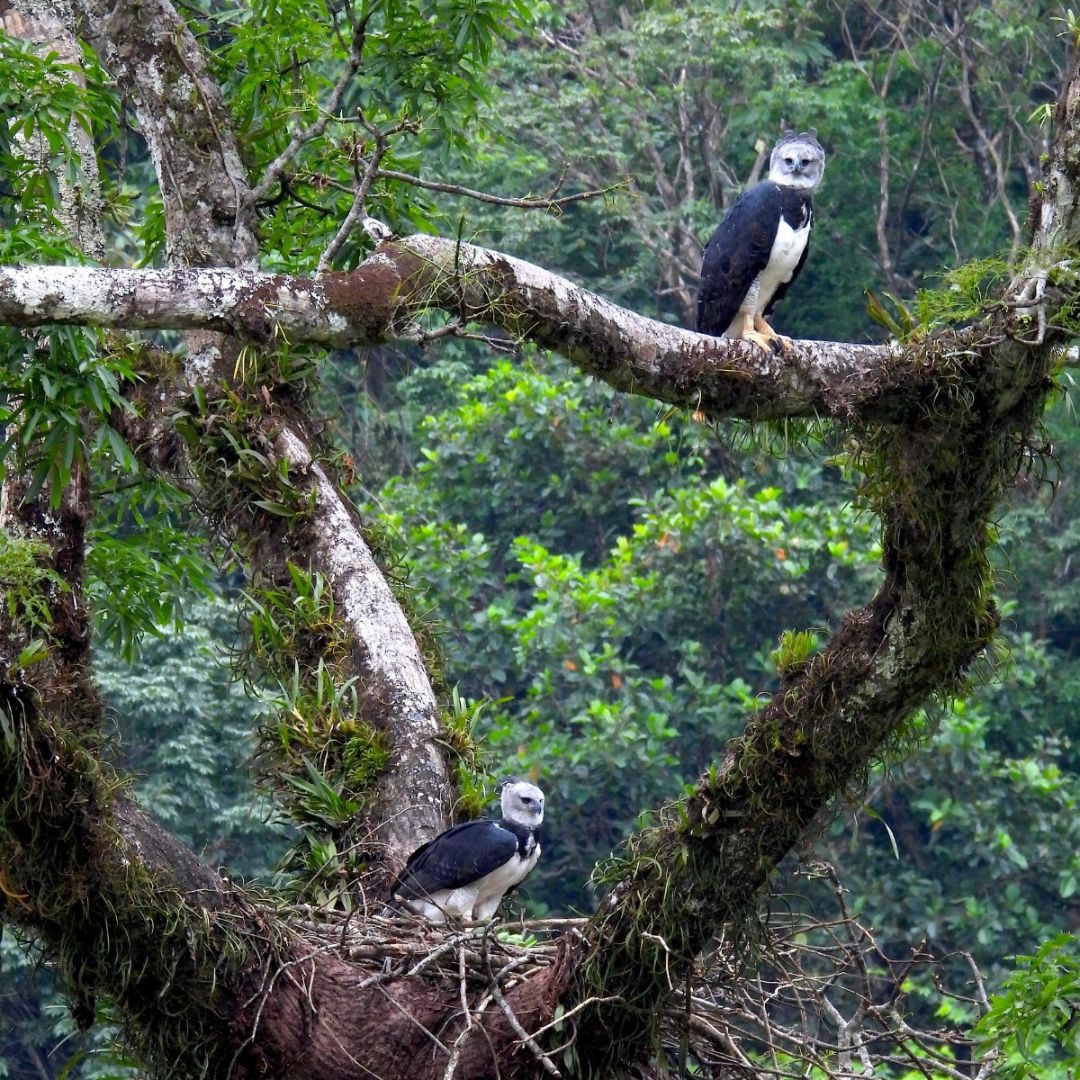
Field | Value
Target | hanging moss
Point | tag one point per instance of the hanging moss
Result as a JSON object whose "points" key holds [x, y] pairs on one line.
{"points": [[166, 951]]}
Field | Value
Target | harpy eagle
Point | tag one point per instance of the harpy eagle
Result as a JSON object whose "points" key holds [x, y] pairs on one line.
{"points": [[759, 248], [466, 871]]}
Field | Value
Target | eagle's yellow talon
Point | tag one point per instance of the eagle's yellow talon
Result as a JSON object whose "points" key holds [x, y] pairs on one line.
{"points": [[760, 340], [763, 332]]}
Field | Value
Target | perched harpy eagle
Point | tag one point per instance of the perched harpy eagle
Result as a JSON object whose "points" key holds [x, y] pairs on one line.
{"points": [[466, 871], [759, 248]]}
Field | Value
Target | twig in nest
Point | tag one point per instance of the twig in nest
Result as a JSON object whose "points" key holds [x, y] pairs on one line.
{"points": [[455, 1050], [546, 1062]]}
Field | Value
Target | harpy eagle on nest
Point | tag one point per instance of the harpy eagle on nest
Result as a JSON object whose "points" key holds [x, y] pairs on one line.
{"points": [[759, 248], [466, 871]]}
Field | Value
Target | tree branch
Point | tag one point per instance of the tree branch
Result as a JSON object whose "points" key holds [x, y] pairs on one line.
{"points": [[377, 301], [306, 135], [210, 218], [48, 25], [550, 201], [379, 147], [414, 793], [150, 51]]}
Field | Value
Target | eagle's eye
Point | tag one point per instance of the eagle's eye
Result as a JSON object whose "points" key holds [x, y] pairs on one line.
{"points": [[804, 162], [789, 161]]}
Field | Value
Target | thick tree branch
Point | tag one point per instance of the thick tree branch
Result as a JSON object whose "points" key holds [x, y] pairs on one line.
{"points": [[415, 795], [210, 219], [150, 51], [377, 301]]}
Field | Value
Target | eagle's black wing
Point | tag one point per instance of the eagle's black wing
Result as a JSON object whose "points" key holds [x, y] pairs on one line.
{"points": [[456, 857], [736, 253]]}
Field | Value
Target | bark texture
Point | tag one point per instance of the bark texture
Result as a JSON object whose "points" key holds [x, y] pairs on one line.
{"points": [[415, 796], [377, 302], [148, 48], [205, 974]]}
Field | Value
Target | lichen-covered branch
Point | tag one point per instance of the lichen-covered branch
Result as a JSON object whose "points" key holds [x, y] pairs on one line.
{"points": [[47, 24], [149, 50], [210, 220], [704, 865], [378, 300], [412, 796]]}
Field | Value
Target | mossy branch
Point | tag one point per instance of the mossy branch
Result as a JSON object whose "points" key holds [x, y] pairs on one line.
{"points": [[379, 300]]}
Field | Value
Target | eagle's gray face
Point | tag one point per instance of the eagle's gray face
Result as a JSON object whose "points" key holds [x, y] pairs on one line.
{"points": [[797, 160], [522, 803]]}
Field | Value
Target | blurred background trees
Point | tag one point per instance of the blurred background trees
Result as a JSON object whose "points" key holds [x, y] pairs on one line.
{"points": [[611, 584]]}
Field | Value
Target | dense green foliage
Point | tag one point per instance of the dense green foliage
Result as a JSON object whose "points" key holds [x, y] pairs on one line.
{"points": [[595, 599], [1032, 1023], [613, 582], [622, 632]]}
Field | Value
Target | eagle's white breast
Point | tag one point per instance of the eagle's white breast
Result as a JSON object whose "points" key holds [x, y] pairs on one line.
{"points": [[787, 249], [788, 246], [498, 882]]}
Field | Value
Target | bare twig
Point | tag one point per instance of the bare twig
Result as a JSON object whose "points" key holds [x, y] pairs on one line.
{"points": [[301, 138], [357, 212], [546, 1063], [550, 201]]}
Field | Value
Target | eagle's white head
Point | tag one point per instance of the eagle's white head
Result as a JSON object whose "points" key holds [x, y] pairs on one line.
{"points": [[522, 802], [797, 160]]}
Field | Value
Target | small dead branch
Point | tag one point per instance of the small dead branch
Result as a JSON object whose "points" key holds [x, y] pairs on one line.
{"points": [[308, 134], [828, 999], [546, 1063], [551, 201], [365, 177]]}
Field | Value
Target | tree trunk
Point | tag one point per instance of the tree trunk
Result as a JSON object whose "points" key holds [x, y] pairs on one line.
{"points": [[210, 980]]}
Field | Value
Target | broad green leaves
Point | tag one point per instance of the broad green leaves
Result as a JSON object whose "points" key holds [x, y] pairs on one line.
{"points": [[56, 395], [609, 599], [39, 104], [1032, 1022]]}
